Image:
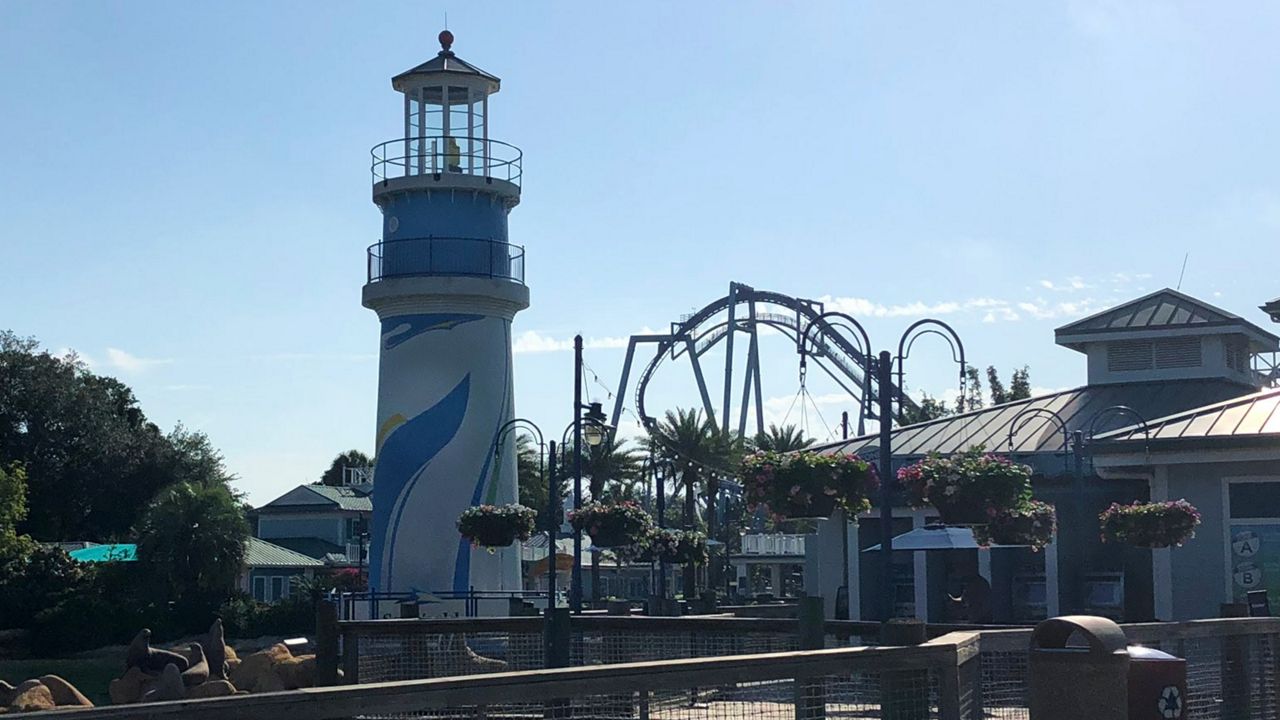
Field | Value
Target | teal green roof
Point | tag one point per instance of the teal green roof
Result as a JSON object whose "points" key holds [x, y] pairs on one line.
{"points": [[260, 553], [125, 552]]}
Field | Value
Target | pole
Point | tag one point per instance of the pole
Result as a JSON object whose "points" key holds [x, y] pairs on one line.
{"points": [[553, 513], [660, 484], [842, 610], [575, 592], [1075, 587], [884, 382]]}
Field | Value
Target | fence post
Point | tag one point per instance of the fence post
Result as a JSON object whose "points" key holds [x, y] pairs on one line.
{"points": [[811, 696], [350, 656], [557, 640], [326, 643], [904, 694], [959, 685], [1234, 667]]}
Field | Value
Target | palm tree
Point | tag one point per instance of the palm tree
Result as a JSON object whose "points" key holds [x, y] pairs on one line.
{"points": [[610, 462], [787, 438], [700, 453]]}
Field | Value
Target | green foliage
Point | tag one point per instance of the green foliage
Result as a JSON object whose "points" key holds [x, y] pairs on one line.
{"points": [[243, 617], [787, 438], [350, 458], [807, 484], [192, 544], [611, 525], [497, 525], [931, 408], [92, 460], [966, 488], [1150, 524], [1032, 523], [13, 508], [611, 469], [33, 578], [532, 482]]}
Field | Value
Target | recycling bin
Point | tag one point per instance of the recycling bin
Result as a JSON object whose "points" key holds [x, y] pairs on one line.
{"points": [[1079, 668], [1157, 685]]}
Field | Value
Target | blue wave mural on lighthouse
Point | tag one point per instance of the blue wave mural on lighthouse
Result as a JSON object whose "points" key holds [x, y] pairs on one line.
{"points": [[435, 453]]}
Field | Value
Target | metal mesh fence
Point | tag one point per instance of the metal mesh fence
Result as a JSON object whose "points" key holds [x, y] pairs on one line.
{"points": [[1002, 692], [606, 647], [895, 695], [1229, 677], [418, 656]]}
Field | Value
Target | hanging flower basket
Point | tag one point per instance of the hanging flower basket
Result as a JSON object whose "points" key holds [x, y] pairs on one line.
{"points": [[1032, 523], [611, 525], [678, 547], [1150, 524], [969, 488], [497, 525], [807, 484]]}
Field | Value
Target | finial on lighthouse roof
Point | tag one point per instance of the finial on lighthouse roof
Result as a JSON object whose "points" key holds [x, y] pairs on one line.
{"points": [[446, 42]]}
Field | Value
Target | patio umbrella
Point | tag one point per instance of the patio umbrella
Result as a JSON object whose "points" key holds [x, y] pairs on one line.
{"points": [[934, 537]]}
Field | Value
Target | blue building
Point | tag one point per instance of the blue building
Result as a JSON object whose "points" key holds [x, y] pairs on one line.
{"points": [[445, 284]]}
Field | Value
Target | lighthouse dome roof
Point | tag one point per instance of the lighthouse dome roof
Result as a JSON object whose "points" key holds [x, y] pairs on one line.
{"points": [[445, 62]]}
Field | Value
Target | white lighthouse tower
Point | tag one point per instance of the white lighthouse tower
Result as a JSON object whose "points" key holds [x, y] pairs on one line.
{"points": [[445, 284]]}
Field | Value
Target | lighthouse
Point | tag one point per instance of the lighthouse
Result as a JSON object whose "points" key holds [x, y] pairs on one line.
{"points": [[445, 284]]}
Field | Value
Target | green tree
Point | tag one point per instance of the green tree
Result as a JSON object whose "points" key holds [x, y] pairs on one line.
{"points": [[13, 505], [787, 438], [92, 460], [700, 453], [192, 545], [531, 481], [972, 390], [605, 466], [348, 459], [929, 408]]}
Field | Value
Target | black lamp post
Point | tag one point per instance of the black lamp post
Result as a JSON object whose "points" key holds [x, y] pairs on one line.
{"points": [[594, 431], [553, 501], [883, 367]]}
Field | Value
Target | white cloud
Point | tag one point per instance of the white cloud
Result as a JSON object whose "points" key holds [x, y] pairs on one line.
{"points": [[532, 341], [125, 362]]}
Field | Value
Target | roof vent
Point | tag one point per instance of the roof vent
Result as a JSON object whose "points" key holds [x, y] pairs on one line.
{"points": [[1182, 352], [1129, 356]]}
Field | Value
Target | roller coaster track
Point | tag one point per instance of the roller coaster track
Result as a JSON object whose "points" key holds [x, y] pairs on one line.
{"points": [[815, 337]]}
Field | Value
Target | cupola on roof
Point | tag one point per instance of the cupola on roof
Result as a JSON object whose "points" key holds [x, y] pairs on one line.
{"points": [[445, 63], [1163, 312]]}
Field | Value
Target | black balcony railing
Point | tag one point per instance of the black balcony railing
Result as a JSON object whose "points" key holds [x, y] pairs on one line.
{"points": [[442, 155], [446, 256]]}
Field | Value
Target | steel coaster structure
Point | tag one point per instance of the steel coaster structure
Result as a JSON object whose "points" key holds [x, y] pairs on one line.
{"points": [[834, 341]]}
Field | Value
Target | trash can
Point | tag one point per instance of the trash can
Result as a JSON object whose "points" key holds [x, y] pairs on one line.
{"points": [[1079, 668], [408, 609], [1157, 685]]}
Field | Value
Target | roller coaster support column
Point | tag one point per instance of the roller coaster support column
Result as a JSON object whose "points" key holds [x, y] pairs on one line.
{"points": [[730, 328], [884, 380]]}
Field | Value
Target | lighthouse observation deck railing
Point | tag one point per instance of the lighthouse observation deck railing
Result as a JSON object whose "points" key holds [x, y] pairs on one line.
{"points": [[438, 155], [443, 256]]}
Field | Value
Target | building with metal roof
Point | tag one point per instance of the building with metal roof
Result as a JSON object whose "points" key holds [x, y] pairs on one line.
{"points": [[323, 522], [271, 572], [1166, 365]]}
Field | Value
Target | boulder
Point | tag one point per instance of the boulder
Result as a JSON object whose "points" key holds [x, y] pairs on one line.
{"points": [[211, 689], [153, 660], [35, 697], [269, 681], [231, 653], [168, 687], [130, 687], [7, 693], [199, 670], [297, 672], [64, 693], [232, 664], [216, 651], [251, 669]]}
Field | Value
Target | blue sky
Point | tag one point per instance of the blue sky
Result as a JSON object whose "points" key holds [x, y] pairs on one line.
{"points": [[184, 187]]}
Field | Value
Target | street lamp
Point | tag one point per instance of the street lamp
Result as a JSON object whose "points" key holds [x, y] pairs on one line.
{"points": [[590, 429], [596, 431], [883, 367]]}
